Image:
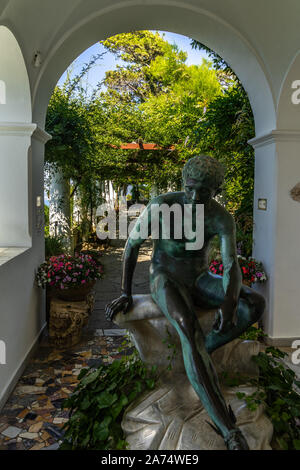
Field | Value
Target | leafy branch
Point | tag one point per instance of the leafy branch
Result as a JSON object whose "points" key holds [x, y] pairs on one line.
{"points": [[277, 388], [100, 399], [172, 346]]}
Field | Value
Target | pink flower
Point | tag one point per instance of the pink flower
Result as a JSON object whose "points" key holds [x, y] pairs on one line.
{"points": [[83, 281]]}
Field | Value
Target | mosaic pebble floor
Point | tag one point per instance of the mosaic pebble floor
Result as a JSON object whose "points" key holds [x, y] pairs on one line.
{"points": [[32, 418]]}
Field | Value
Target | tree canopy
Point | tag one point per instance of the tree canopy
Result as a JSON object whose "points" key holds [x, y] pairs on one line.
{"points": [[224, 133], [154, 96], [160, 99]]}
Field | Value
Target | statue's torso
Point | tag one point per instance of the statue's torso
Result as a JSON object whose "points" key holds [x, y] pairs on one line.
{"points": [[172, 254]]}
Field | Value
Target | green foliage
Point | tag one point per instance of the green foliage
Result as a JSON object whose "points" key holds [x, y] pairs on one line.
{"points": [[277, 388], [98, 403], [172, 118], [219, 63], [152, 64], [224, 133], [153, 96], [46, 220], [253, 334], [72, 147], [53, 246], [233, 379], [76, 146]]}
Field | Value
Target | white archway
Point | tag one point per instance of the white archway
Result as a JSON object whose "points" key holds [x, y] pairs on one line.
{"points": [[15, 132], [20, 306], [14, 83], [176, 17]]}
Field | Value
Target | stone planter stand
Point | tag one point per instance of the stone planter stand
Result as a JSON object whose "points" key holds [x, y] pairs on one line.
{"points": [[67, 319]]}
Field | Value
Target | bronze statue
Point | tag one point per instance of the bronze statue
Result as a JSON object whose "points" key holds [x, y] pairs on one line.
{"points": [[180, 279]]}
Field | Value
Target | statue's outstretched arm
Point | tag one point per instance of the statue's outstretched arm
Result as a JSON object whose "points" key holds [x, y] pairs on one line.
{"points": [[136, 237]]}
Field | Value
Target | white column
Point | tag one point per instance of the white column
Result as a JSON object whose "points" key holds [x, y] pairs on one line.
{"points": [[154, 191], [15, 139], [59, 208], [277, 231], [112, 193]]}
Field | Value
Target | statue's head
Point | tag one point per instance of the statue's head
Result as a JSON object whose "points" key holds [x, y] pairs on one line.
{"points": [[203, 177]]}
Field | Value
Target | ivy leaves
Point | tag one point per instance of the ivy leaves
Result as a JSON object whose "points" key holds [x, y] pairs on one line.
{"points": [[100, 399], [278, 390]]}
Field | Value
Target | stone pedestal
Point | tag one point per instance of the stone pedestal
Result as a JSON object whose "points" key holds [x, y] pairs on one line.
{"points": [[171, 417], [66, 321]]}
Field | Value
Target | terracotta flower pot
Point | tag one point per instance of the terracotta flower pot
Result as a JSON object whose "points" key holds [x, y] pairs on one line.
{"points": [[73, 294]]}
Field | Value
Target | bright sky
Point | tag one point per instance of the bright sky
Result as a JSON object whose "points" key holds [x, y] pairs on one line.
{"points": [[109, 62]]}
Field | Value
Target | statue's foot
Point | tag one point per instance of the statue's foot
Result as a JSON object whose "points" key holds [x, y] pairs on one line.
{"points": [[235, 440]]}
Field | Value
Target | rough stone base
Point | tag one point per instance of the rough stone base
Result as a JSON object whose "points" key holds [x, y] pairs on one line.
{"points": [[172, 417]]}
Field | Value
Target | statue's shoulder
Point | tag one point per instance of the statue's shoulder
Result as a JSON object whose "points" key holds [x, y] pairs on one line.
{"points": [[167, 198], [225, 220]]}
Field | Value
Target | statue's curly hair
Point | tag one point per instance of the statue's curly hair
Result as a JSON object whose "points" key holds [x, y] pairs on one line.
{"points": [[205, 168]]}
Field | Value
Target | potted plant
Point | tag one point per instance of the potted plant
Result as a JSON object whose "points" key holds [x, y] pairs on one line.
{"points": [[252, 270], [69, 277]]}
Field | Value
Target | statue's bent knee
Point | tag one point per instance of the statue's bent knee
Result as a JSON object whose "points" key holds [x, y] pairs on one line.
{"points": [[185, 323]]}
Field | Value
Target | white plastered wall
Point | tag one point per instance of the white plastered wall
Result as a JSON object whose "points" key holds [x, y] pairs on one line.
{"points": [[21, 245], [277, 230]]}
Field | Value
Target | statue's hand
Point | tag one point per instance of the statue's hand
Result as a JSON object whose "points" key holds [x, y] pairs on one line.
{"points": [[121, 304], [225, 319]]}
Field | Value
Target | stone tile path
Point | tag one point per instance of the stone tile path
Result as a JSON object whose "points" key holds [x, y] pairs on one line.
{"points": [[32, 419], [109, 288]]}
